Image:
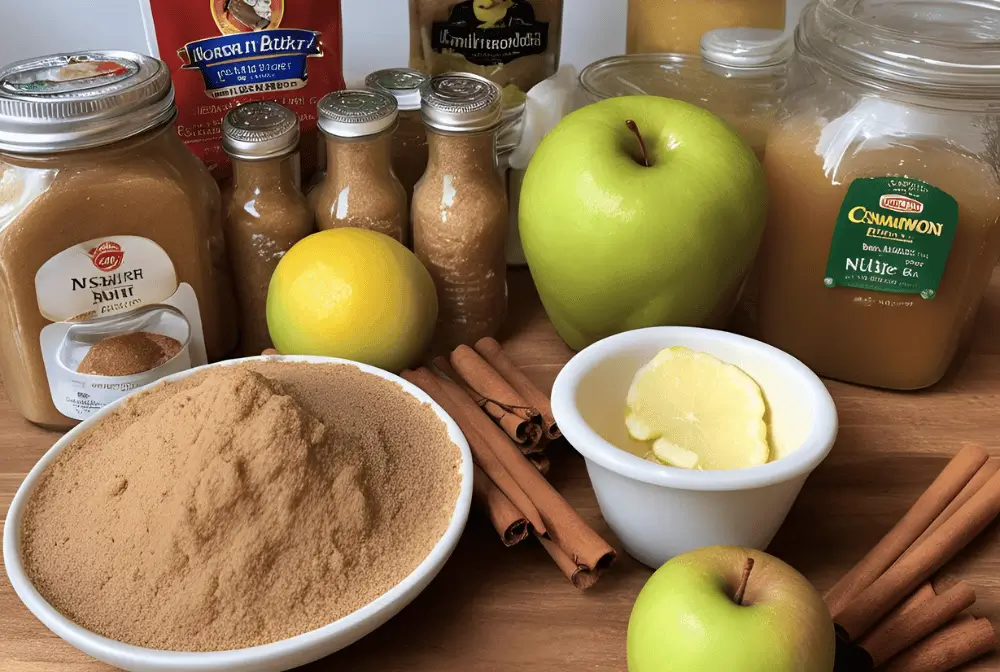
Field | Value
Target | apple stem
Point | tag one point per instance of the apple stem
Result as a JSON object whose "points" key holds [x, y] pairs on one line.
{"points": [[744, 580], [632, 126]]}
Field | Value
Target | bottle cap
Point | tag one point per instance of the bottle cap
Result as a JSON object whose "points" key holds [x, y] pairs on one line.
{"points": [[403, 83], [260, 130], [461, 102], [356, 113], [83, 99]]}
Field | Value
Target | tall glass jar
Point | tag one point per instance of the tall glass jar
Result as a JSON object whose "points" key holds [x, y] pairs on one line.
{"points": [[677, 26], [884, 178], [266, 212], [409, 140], [460, 208], [360, 189]]}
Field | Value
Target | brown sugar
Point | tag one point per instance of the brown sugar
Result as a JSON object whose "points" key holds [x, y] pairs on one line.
{"points": [[241, 506], [129, 354]]}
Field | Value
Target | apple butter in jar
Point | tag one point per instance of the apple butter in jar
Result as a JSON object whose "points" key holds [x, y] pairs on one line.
{"points": [[359, 188], [113, 270], [677, 26], [460, 208], [266, 212], [884, 175], [409, 140]]}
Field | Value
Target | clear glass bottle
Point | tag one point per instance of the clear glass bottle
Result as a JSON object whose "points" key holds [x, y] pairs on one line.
{"points": [[460, 210], [266, 212], [884, 175], [677, 26], [359, 188], [409, 140]]}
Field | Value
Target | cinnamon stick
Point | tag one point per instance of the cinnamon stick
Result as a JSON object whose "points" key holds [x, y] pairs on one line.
{"points": [[541, 463], [984, 474], [484, 457], [919, 596], [960, 642], [493, 353], [905, 629], [928, 506], [481, 386], [509, 523], [565, 527], [269, 351], [582, 577], [940, 547]]}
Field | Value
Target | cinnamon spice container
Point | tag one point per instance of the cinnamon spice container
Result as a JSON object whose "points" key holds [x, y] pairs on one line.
{"points": [[409, 140], [459, 208]]}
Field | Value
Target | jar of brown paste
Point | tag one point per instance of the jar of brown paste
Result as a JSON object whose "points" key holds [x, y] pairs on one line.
{"points": [[884, 176], [460, 208], [266, 212], [112, 261], [409, 140], [359, 188]]}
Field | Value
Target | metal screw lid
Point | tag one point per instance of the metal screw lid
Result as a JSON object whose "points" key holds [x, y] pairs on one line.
{"points": [[403, 83], [84, 99], [356, 113], [260, 130], [461, 102]]}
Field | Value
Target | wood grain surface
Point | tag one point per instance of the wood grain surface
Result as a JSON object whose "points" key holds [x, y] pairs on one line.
{"points": [[495, 609]]}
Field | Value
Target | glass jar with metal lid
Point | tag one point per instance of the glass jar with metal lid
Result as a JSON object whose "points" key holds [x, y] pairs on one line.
{"points": [[359, 188], [460, 207], [409, 140], [265, 211], [105, 213], [884, 176]]}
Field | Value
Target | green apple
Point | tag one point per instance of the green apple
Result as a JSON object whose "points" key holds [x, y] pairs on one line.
{"points": [[614, 244], [692, 617]]}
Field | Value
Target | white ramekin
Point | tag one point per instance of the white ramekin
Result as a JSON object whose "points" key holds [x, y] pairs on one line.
{"points": [[280, 655], [659, 512]]}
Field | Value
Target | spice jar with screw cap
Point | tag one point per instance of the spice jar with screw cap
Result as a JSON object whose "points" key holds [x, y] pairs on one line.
{"points": [[460, 207], [266, 212], [359, 189], [409, 140]]}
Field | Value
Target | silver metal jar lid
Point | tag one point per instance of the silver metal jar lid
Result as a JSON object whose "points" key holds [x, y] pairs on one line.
{"points": [[356, 113], [461, 102], [84, 99], [260, 130], [403, 83]]}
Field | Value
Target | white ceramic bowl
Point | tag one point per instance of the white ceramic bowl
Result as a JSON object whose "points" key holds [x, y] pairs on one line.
{"points": [[280, 655], [658, 511]]}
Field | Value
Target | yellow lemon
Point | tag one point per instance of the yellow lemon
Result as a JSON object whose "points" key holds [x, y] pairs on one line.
{"points": [[699, 412], [355, 294]]}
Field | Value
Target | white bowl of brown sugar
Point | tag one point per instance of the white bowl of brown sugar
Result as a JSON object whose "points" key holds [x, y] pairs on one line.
{"points": [[251, 515]]}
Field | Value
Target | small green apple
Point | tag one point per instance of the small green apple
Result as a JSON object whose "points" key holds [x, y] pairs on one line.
{"points": [[692, 616], [614, 244]]}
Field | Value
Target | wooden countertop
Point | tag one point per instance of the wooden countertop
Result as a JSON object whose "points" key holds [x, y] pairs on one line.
{"points": [[494, 609]]}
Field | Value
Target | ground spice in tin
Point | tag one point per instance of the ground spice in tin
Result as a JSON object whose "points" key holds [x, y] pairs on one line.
{"points": [[241, 506], [129, 354]]}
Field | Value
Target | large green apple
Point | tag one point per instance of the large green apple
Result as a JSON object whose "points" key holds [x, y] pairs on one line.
{"points": [[690, 617], [614, 244]]}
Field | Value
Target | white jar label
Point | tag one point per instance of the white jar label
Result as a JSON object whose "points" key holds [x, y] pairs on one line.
{"points": [[120, 321]]}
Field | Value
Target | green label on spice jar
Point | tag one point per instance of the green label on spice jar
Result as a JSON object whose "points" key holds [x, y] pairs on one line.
{"points": [[893, 234]]}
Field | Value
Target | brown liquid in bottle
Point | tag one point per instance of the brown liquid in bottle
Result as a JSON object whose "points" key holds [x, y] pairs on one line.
{"points": [[890, 340], [266, 214]]}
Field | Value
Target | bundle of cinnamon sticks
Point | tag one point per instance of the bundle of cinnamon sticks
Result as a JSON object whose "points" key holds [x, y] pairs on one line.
{"points": [[508, 423], [885, 603]]}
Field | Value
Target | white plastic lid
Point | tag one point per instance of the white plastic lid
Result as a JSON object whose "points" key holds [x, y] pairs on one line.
{"points": [[746, 47]]}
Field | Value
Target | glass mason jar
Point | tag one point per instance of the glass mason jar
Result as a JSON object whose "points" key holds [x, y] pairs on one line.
{"points": [[359, 188], [265, 211], [884, 177], [460, 208], [677, 26], [111, 243], [409, 140]]}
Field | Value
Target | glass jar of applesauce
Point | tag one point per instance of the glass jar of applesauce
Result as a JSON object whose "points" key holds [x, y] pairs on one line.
{"points": [[677, 26], [884, 177]]}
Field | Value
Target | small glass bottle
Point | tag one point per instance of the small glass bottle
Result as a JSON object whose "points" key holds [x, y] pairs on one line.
{"points": [[460, 208], [359, 189], [409, 140], [266, 212]]}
